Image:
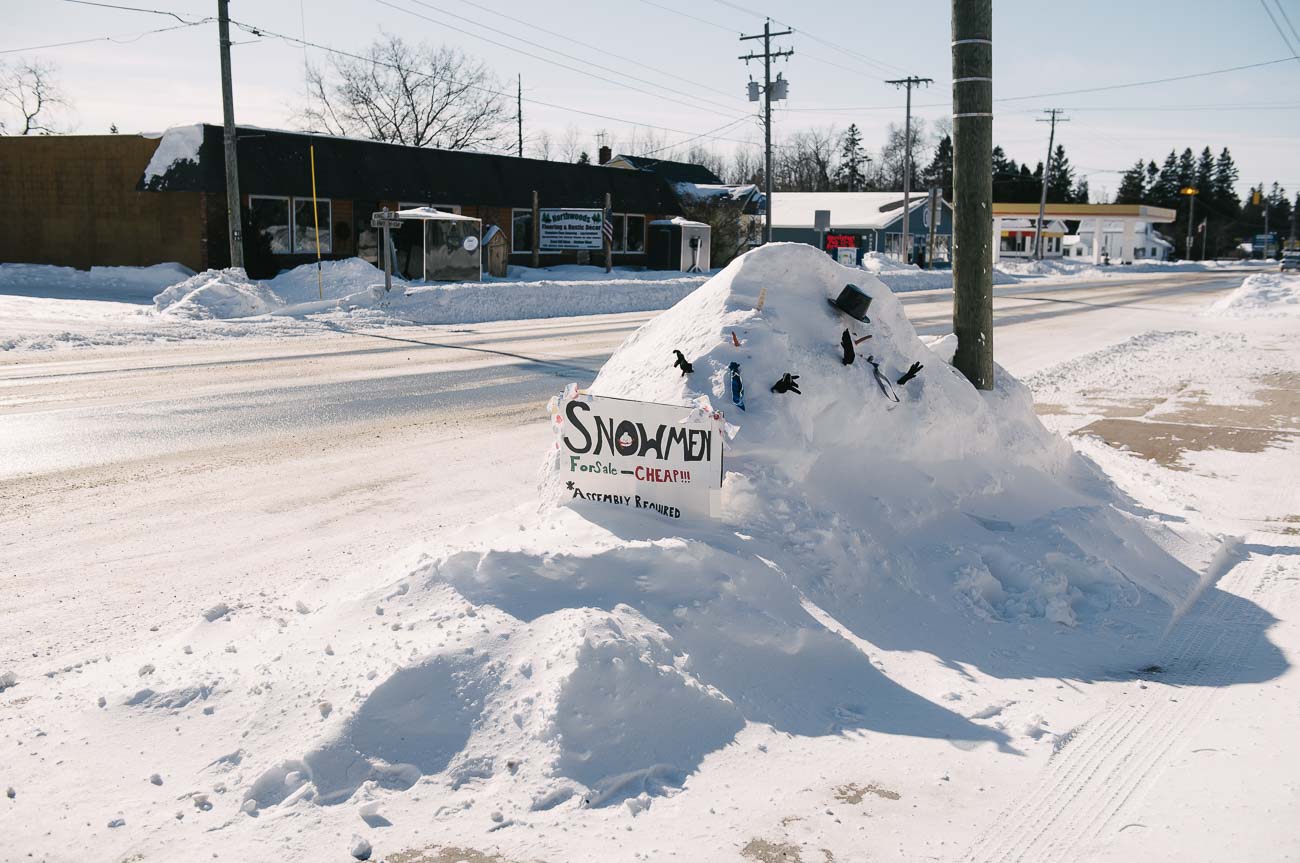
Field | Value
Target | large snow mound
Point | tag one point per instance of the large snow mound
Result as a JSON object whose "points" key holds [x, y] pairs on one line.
{"points": [[1268, 295], [583, 654], [217, 294]]}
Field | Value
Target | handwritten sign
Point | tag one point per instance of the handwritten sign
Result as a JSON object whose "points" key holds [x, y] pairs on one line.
{"points": [[645, 456], [565, 229]]}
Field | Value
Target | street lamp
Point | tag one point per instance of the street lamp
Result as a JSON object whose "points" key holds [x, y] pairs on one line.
{"points": [[1191, 194]]}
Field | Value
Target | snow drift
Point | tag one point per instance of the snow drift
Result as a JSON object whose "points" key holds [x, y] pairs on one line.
{"points": [[577, 654], [1270, 295]]}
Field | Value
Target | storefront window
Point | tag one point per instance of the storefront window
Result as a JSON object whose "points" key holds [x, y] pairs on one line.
{"points": [[271, 217], [635, 234], [304, 226], [620, 226], [521, 231]]}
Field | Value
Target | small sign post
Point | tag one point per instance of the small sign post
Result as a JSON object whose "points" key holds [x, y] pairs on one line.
{"points": [[386, 221], [822, 224]]}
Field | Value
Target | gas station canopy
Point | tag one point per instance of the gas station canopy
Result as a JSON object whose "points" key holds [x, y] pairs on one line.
{"points": [[1127, 214]]}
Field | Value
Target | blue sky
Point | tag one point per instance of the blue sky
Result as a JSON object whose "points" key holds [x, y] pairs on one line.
{"points": [[842, 53]]}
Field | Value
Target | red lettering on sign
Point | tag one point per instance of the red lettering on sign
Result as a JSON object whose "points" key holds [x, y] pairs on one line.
{"points": [[841, 241]]}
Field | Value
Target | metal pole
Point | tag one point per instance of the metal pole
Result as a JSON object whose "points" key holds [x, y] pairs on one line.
{"points": [[233, 201], [1047, 173], [1191, 220], [1205, 233], [519, 112], [972, 233]]}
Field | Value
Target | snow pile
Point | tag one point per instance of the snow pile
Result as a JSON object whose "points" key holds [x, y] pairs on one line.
{"points": [[587, 654], [1269, 295], [355, 285], [115, 284], [178, 145], [217, 294]]}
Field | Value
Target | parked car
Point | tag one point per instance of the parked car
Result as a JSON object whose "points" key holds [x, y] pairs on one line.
{"points": [[1290, 262]]}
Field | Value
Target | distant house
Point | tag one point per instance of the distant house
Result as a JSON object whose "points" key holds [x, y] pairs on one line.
{"points": [[1019, 238], [867, 221], [84, 200], [1148, 243]]}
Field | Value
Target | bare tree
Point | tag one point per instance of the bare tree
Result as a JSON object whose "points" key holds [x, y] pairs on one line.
{"points": [[889, 168], [422, 96], [805, 162], [571, 143], [30, 92], [541, 145]]}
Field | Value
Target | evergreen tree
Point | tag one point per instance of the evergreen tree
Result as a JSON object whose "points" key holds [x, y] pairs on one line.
{"points": [[1132, 186], [1060, 181], [1081, 191], [939, 173], [1153, 176], [1204, 181], [1186, 169], [583, 158], [1164, 191], [851, 176], [1225, 185]]}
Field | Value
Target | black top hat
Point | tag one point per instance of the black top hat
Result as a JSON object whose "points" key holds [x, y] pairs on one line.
{"points": [[853, 302]]}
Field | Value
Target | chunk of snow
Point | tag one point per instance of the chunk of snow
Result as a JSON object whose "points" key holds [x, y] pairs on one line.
{"points": [[178, 144]]}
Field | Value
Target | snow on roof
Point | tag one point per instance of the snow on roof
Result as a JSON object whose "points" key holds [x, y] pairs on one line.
{"points": [[678, 220], [1051, 226], [433, 214], [701, 191], [177, 144], [848, 209]]}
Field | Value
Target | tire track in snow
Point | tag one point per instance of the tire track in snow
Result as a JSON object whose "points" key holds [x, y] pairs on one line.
{"points": [[1116, 754]]}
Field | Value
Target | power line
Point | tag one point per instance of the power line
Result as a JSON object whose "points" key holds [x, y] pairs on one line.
{"points": [[694, 138], [1287, 18], [294, 40], [1278, 27], [861, 58], [591, 47], [585, 72], [124, 39], [133, 9]]}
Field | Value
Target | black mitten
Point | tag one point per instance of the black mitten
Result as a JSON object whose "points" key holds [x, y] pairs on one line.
{"points": [[787, 384], [910, 373], [682, 364], [846, 342]]}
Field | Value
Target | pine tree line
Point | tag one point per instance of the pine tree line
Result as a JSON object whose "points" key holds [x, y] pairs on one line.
{"points": [[1229, 220]]}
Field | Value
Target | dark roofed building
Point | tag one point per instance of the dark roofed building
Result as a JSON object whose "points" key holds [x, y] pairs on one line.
{"points": [[673, 172], [134, 200]]}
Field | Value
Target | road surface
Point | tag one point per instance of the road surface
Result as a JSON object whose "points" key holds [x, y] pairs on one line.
{"points": [[146, 483]]}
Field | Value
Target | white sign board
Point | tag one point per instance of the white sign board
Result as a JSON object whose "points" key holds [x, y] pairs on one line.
{"points": [[639, 455], [847, 255], [563, 230]]}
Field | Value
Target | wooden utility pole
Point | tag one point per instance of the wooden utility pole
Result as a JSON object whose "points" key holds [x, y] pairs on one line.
{"points": [[972, 184], [519, 111], [1047, 174], [537, 231], [767, 56], [935, 212], [909, 82], [233, 201]]}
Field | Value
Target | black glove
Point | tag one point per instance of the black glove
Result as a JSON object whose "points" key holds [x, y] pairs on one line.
{"points": [[910, 373], [787, 384], [682, 364], [846, 342]]}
